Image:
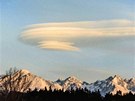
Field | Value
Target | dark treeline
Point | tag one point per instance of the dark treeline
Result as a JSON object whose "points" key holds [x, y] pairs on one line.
{"points": [[60, 95]]}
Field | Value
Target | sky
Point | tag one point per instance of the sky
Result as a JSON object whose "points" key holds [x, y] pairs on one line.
{"points": [[89, 39]]}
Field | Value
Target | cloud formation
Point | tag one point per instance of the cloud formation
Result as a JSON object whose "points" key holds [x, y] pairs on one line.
{"points": [[57, 45], [70, 36]]}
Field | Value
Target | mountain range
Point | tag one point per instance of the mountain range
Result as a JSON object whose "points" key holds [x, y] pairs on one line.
{"points": [[23, 81]]}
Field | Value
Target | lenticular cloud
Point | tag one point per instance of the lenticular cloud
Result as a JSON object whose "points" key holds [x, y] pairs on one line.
{"points": [[66, 36]]}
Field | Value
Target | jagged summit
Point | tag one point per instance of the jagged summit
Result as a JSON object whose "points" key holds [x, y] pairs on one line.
{"points": [[117, 77], [110, 85], [23, 71], [110, 78], [25, 80], [70, 82], [132, 79], [72, 78], [131, 84]]}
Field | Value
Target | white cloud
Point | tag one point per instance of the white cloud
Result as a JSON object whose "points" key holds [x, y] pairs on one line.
{"points": [[88, 24], [67, 35], [57, 45]]}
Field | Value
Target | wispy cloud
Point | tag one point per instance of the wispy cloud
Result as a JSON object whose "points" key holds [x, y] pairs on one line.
{"points": [[67, 35]]}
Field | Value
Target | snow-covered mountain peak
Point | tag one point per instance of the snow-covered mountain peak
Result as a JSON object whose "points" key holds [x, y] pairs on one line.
{"points": [[110, 85], [23, 71], [21, 74], [119, 85], [72, 78], [23, 80], [71, 82], [110, 78], [131, 84], [117, 77], [132, 80]]}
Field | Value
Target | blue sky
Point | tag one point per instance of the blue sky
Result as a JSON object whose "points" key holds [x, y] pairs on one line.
{"points": [[93, 56]]}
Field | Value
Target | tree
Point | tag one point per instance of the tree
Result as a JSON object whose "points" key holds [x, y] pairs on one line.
{"points": [[9, 81]]}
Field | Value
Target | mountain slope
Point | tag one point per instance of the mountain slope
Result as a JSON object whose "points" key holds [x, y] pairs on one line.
{"points": [[23, 81], [70, 83], [131, 84], [110, 85]]}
